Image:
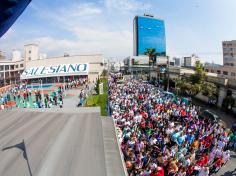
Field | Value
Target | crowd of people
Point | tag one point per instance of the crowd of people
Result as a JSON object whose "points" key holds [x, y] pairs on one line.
{"points": [[24, 96], [160, 136]]}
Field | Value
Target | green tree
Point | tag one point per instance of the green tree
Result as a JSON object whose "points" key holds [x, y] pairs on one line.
{"points": [[104, 73], [209, 89], [152, 54], [228, 103], [196, 83], [97, 86], [199, 76]]}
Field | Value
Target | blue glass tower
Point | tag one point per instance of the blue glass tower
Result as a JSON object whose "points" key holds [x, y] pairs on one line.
{"points": [[149, 32]]}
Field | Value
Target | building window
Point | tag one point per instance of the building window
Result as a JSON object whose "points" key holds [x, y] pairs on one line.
{"points": [[207, 70], [218, 72], [6, 67], [29, 58], [232, 74], [7, 74], [12, 67], [1, 67], [29, 51], [21, 65], [16, 66], [225, 73]]}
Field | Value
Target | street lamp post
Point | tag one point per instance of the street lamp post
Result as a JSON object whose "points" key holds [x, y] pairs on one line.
{"points": [[41, 84]]}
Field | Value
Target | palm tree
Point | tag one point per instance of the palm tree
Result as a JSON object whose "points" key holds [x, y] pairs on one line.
{"points": [[151, 53]]}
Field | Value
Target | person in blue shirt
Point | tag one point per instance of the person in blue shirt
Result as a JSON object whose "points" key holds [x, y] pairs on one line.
{"points": [[190, 138], [175, 135]]}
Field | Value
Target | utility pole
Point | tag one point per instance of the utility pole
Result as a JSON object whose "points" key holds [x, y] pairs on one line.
{"points": [[168, 69]]}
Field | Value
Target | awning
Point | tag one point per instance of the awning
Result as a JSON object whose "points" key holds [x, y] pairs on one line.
{"points": [[55, 70]]}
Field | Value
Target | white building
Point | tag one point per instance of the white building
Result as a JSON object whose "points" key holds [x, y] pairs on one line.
{"points": [[177, 62], [191, 61], [34, 67], [59, 69], [10, 71]]}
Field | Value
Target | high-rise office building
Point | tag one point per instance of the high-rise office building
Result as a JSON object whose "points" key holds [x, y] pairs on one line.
{"points": [[149, 32], [229, 53]]}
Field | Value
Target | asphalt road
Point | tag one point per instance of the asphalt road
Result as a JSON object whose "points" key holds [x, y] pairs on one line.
{"points": [[57, 144]]}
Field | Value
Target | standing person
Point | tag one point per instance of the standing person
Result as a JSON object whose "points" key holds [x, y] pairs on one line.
{"points": [[60, 104], [204, 171], [35, 105], [217, 165], [2, 107], [46, 101], [61, 97]]}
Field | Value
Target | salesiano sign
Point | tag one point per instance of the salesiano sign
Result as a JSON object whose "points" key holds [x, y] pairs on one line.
{"points": [[56, 70]]}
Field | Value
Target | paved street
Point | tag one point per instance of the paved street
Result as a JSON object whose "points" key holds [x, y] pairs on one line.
{"points": [[57, 143]]}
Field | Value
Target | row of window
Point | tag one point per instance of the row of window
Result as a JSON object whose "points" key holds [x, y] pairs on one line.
{"points": [[228, 49], [11, 74], [229, 44], [229, 64], [229, 54], [219, 72], [12, 67]]}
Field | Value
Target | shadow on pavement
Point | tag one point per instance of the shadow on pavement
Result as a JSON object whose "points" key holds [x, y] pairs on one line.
{"points": [[230, 173], [22, 147]]}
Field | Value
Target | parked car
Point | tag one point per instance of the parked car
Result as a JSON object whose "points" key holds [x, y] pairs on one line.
{"points": [[210, 116]]}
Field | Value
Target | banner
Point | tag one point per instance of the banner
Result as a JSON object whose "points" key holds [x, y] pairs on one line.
{"points": [[56, 70], [101, 88]]}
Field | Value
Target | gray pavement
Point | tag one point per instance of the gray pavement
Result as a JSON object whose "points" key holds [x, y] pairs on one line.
{"points": [[59, 142]]}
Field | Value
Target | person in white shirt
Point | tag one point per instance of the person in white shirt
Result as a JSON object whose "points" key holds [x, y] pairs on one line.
{"points": [[204, 171]]}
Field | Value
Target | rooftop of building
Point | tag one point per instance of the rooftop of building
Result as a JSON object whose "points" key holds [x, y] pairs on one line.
{"points": [[148, 16], [9, 61], [76, 55], [31, 44], [207, 64], [230, 41]]}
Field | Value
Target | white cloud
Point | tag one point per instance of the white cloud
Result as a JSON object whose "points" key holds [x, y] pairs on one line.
{"points": [[80, 10], [127, 5], [92, 32], [113, 44], [86, 29]]}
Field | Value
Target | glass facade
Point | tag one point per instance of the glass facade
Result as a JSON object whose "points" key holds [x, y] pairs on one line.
{"points": [[149, 33]]}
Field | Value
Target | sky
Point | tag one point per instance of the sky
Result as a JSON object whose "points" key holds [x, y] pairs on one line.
{"points": [[106, 27]]}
